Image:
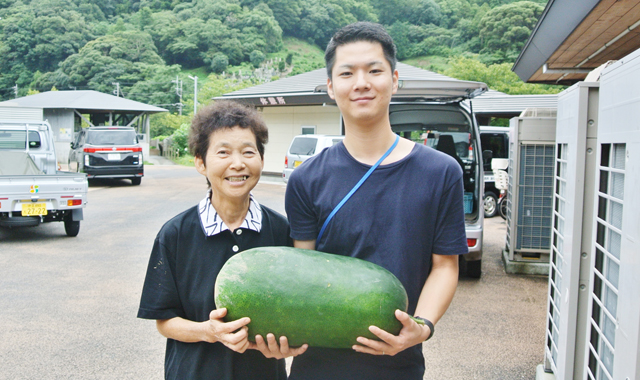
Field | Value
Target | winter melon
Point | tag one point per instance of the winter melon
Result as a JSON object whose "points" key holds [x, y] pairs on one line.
{"points": [[311, 297]]}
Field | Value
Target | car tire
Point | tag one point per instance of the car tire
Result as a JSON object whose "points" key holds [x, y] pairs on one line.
{"points": [[136, 181], [71, 227], [490, 205], [502, 207], [472, 269]]}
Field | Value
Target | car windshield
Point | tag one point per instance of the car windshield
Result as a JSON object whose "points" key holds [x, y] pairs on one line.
{"points": [[304, 146], [111, 137], [497, 143], [11, 139]]}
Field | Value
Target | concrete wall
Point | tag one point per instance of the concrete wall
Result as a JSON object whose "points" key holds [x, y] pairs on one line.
{"points": [[286, 122], [61, 121]]}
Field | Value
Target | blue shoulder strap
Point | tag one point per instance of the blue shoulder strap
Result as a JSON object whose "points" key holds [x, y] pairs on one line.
{"points": [[356, 187]]}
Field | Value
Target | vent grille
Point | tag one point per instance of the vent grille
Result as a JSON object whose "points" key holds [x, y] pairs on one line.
{"points": [[606, 270], [535, 197]]}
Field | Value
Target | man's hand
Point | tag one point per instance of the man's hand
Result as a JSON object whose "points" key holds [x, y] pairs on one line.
{"points": [[270, 348], [411, 334], [232, 334]]}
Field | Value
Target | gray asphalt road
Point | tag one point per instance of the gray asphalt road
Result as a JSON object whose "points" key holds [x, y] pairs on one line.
{"points": [[68, 305]]}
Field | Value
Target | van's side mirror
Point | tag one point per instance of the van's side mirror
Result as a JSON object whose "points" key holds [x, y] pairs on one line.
{"points": [[487, 155], [72, 146]]}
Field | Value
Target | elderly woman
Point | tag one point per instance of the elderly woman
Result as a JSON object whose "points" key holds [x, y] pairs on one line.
{"points": [[227, 140]]}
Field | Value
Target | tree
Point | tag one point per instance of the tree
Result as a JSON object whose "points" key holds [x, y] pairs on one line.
{"points": [[257, 57], [505, 29], [219, 63], [320, 19], [120, 57], [416, 12], [498, 77]]}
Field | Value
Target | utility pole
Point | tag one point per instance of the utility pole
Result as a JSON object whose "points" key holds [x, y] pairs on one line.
{"points": [[195, 93], [116, 92], [178, 83], [15, 90]]}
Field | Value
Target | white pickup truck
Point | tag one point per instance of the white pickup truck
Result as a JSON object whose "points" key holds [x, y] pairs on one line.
{"points": [[32, 190]]}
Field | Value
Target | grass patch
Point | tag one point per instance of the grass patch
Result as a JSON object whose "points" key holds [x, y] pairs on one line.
{"points": [[432, 63], [306, 57], [186, 160]]}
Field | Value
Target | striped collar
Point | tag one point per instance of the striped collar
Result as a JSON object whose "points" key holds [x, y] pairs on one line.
{"points": [[212, 224]]}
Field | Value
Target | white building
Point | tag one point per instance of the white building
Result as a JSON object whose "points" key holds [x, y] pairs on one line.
{"points": [[593, 312]]}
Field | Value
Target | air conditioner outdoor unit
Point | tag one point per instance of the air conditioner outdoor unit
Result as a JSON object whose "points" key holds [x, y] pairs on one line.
{"points": [[530, 194]]}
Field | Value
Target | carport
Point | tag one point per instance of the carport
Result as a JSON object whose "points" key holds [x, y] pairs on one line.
{"points": [[69, 111]]}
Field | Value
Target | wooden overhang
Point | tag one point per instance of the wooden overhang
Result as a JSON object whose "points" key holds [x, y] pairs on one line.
{"points": [[574, 37]]}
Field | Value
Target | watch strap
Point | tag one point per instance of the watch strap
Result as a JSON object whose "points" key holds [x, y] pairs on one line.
{"points": [[429, 324]]}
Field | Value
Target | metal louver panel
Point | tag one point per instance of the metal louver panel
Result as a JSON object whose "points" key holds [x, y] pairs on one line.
{"points": [[606, 270], [535, 196]]}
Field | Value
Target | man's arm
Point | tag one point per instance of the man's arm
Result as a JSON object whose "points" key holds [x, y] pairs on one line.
{"points": [[304, 244], [434, 300], [439, 289]]}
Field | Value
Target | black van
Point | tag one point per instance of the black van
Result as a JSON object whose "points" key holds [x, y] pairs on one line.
{"points": [[107, 152]]}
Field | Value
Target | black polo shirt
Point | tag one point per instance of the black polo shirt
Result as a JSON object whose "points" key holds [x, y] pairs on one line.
{"points": [[180, 280]]}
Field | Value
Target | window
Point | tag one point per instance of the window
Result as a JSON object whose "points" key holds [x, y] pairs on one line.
{"points": [[308, 130], [304, 146], [11, 139], [111, 137]]}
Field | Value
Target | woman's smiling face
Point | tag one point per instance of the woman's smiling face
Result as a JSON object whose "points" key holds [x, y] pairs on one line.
{"points": [[232, 165]]}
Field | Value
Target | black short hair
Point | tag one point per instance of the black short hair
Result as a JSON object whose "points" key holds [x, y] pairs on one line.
{"points": [[225, 114], [360, 31]]}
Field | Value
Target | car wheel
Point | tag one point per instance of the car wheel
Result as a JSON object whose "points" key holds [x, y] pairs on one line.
{"points": [[136, 181], [490, 205], [502, 207], [71, 227], [472, 269]]}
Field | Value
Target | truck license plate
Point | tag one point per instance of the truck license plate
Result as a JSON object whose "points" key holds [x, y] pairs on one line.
{"points": [[113, 156], [296, 164], [31, 209]]}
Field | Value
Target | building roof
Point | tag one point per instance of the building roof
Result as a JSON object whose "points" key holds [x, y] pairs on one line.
{"points": [[82, 100], [572, 38], [300, 90], [499, 104]]}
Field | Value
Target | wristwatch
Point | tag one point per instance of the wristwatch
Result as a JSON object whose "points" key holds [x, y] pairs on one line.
{"points": [[429, 324]]}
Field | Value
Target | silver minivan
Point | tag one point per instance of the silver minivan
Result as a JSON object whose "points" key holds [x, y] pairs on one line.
{"points": [[435, 112], [303, 147]]}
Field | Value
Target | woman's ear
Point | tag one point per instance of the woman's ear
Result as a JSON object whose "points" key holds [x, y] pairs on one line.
{"points": [[200, 165]]}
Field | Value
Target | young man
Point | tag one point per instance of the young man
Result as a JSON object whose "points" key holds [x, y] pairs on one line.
{"points": [[407, 216]]}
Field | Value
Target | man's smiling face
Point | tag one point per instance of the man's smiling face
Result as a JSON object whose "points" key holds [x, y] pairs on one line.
{"points": [[362, 81]]}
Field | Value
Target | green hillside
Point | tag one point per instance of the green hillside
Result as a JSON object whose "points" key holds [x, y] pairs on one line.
{"points": [[150, 48]]}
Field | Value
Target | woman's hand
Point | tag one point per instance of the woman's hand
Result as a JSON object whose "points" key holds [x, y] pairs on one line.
{"points": [[411, 334], [232, 334], [270, 348]]}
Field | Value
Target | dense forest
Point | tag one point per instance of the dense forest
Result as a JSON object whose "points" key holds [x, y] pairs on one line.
{"points": [[147, 50]]}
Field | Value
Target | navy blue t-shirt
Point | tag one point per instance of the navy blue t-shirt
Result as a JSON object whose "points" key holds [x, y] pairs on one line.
{"points": [[402, 213]]}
